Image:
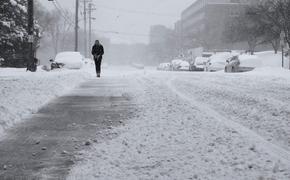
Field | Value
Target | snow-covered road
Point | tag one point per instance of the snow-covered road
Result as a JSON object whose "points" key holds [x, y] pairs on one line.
{"points": [[199, 126]]}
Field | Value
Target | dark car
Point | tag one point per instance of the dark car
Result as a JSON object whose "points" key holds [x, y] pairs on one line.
{"points": [[234, 64]]}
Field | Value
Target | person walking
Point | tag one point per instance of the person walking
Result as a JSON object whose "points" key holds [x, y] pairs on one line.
{"points": [[98, 52]]}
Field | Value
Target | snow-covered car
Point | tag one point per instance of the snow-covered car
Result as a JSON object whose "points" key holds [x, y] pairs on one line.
{"points": [[217, 62], [233, 64], [180, 65], [199, 64], [71, 60], [242, 63], [164, 67]]}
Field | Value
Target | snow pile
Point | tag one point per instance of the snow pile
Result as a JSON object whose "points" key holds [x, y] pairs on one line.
{"points": [[270, 59], [250, 61], [23, 93], [263, 59], [270, 72], [71, 60]]}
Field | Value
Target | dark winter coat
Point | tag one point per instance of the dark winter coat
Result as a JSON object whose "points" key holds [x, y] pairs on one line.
{"points": [[98, 50]]}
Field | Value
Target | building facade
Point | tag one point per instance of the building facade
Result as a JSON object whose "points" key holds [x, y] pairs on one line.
{"points": [[203, 23], [162, 43]]}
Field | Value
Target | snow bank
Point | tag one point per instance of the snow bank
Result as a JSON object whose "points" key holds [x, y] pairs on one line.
{"points": [[278, 72], [71, 60], [264, 59], [23, 93]]}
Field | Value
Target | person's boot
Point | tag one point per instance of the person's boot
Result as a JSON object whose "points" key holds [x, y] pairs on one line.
{"points": [[98, 75]]}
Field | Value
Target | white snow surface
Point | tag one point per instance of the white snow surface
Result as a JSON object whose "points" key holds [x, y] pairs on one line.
{"points": [[207, 126], [23, 93], [263, 59]]}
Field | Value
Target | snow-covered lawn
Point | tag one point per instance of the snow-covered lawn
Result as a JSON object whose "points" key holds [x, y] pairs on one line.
{"points": [[212, 126], [264, 59], [23, 93]]}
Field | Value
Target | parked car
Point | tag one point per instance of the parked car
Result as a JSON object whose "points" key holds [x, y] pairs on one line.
{"points": [[242, 63], [180, 65], [164, 67], [71, 60], [217, 62], [233, 64], [198, 64]]}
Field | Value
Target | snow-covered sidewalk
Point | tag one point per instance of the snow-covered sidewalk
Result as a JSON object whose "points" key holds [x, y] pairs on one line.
{"points": [[173, 137], [23, 93]]}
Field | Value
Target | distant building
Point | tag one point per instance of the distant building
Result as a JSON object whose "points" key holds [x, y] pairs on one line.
{"points": [[162, 43], [158, 34], [203, 23]]}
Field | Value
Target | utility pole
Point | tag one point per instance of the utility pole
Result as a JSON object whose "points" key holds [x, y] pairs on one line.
{"points": [[30, 30], [85, 27], [90, 22], [77, 26]]}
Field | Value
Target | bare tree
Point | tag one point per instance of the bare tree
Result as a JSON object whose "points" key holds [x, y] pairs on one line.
{"points": [[245, 28], [275, 16], [58, 29]]}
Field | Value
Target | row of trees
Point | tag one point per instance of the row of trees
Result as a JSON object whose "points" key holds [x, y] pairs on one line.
{"points": [[261, 23]]}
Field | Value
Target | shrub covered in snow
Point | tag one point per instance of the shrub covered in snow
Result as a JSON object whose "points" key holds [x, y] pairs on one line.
{"points": [[13, 35]]}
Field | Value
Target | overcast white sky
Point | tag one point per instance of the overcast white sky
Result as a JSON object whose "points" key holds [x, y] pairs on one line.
{"points": [[122, 16]]}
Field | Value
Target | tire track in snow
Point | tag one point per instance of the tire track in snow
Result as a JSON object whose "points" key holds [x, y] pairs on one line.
{"points": [[268, 147]]}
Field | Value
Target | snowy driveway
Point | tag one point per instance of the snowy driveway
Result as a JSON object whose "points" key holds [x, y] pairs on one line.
{"points": [[199, 126]]}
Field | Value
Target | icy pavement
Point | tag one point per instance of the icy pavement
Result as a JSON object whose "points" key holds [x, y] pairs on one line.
{"points": [[46, 145], [212, 126]]}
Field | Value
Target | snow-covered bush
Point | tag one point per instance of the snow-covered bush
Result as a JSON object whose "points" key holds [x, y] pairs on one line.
{"points": [[13, 34]]}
